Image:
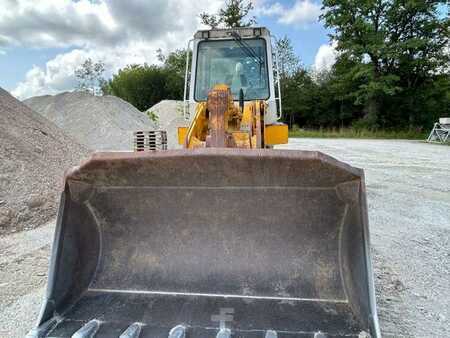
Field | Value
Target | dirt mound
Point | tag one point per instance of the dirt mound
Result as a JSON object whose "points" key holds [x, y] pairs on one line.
{"points": [[169, 116], [34, 153], [97, 122]]}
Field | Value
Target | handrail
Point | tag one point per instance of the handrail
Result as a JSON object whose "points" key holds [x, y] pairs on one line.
{"points": [[186, 117], [280, 112]]}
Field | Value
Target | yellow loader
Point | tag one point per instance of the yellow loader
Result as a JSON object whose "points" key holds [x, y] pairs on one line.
{"points": [[226, 237]]}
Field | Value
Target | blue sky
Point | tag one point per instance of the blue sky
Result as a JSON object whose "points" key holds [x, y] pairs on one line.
{"points": [[42, 42], [16, 62], [305, 39]]}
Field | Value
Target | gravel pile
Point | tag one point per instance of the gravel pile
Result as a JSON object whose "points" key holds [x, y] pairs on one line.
{"points": [[97, 122], [169, 116], [34, 153]]}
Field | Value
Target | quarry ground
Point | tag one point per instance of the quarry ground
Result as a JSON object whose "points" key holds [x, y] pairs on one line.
{"points": [[408, 186]]}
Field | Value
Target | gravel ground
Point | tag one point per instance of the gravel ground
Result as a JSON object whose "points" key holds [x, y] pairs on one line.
{"points": [[409, 202], [23, 273]]}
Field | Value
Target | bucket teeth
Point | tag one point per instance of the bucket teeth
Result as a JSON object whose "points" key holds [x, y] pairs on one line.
{"points": [[178, 331], [133, 331], [88, 331], [224, 333], [271, 334]]}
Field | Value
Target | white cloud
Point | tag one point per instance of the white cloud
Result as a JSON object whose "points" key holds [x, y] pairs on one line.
{"points": [[61, 23], [275, 9], [84, 23], [115, 31], [325, 57], [302, 13], [58, 74]]}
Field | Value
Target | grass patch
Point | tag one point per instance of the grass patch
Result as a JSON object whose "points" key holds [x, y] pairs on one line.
{"points": [[358, 133]]}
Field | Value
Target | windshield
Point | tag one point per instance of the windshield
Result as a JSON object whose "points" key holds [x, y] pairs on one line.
{"points": [[236, 65]]}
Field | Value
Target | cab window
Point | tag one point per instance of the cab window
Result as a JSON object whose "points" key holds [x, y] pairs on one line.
{"points": [[238, 64]]}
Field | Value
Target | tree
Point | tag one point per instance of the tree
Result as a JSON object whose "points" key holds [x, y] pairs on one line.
{"points": [[146, 85], [396, 46], [297, 96], [288, 61], [289, 69], [210, 20], [90, 76], [175, 61], [231, 16]]}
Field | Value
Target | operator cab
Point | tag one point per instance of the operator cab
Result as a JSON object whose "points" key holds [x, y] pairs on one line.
{"points": [[240, 58], [240, 64]]}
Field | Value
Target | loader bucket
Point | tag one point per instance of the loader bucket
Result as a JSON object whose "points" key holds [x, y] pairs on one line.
{"points": [[211, 243]]}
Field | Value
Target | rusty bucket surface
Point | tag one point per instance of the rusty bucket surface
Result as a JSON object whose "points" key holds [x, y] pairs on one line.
{"points": [[211, 242]]}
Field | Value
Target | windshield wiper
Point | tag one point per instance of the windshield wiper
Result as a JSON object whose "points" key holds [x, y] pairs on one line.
{"points": [[247, 49]]}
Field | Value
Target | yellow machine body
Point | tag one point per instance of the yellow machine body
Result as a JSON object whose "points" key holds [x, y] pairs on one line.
{"points": [[236, 126], [276, 134]]}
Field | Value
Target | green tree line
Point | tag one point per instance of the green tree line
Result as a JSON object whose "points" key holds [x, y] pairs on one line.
{"points": [[391, 72]]}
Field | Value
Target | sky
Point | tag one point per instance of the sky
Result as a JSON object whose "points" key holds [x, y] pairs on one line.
{"points": [[42, 42]]}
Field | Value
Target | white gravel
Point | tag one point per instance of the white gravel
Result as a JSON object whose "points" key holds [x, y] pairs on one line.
{"points": [[98, 122], [34, 153], [409, 208], [169, 114]]}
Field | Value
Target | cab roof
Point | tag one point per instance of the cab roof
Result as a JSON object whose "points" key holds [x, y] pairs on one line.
{"points": [[244, 32]]}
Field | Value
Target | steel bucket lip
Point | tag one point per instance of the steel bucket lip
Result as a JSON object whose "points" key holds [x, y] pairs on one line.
{"points": [[98, 158]]}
